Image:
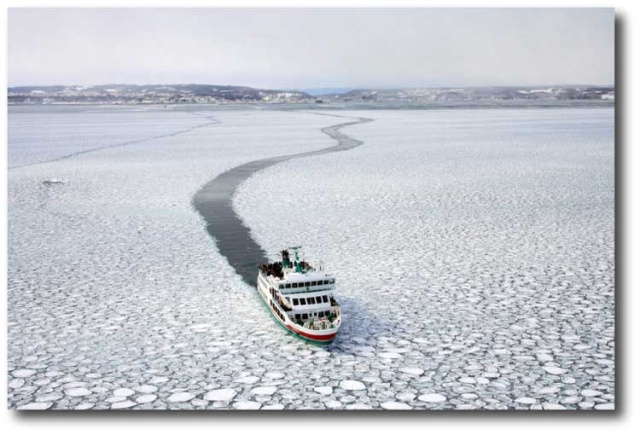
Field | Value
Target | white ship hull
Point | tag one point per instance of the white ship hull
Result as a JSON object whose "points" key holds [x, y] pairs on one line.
{"points": [[317, 323]]}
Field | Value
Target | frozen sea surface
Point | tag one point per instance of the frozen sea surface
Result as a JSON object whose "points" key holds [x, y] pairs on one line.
{"points": [[39, 135], [114, 282], [474, 251]]}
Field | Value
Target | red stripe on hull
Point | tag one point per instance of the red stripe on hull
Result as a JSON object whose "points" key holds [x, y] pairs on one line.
{"points": [[327, 337]]}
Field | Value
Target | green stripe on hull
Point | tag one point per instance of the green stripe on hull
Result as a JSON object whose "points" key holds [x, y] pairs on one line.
{"points": [[279, 322]]}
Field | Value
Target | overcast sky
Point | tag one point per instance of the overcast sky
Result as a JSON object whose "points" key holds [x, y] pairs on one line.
{"points": [[307, 48]]}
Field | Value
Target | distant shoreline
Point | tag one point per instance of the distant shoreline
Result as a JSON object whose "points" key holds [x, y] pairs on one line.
{"points": [[336, 105]]}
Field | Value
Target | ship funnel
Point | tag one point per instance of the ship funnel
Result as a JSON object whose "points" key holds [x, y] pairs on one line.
{"points": [[297, 258]]}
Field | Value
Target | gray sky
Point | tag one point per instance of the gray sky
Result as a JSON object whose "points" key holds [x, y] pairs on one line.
{"points": [[305, 48]]}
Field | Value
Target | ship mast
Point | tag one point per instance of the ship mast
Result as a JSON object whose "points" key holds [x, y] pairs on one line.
{"points": [[297, 259]]}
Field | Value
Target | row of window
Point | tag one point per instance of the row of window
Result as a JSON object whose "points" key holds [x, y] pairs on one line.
{"points": [[307, 284], [305, 316], [275, 308], [311, 300]]}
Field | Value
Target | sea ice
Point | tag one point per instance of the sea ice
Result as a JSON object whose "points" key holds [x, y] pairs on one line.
{"points": [[445, 229]]}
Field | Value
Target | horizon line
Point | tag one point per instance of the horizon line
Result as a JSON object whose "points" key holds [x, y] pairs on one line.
{"points": [[321, 86]]}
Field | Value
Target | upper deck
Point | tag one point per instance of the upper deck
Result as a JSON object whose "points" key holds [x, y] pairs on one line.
{"points": [[312, 282], [291, 277]]}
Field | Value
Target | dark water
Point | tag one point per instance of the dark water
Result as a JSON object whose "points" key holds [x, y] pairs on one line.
{"points": [[214, 203]]}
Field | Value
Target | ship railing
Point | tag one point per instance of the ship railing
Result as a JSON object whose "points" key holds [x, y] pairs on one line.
{"points": [[318, 325]]}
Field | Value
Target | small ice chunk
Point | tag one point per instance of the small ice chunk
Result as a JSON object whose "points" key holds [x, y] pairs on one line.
{"points": [[526, 400], [570, 400], [146, 398], [248, 405], [274, 375], [395, 406], [548, 390], [123, 392], [389, 355], [248, 380], [544, 357], [554, 370], [77, 392], [22, 373], [432, 398], [264, 391], [123, 405], [51, 397], [35, 406], [351, 385], [405, 397], [159, 380], [16, 383], [180, 397], [147, 389], [222, 395], [412, 371], [358, 406]]}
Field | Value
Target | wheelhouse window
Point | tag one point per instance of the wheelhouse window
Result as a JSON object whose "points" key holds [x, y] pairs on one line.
{"points": [[318, 300], [310, 301], [295, 301], [325, 299], [314, 283], [294, 285], [303, 301], [288, 286]]}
